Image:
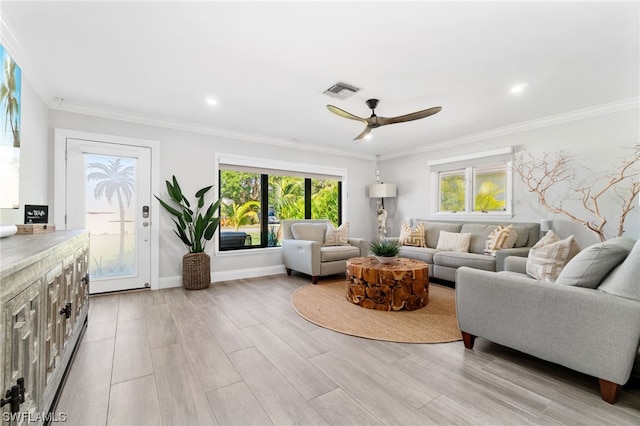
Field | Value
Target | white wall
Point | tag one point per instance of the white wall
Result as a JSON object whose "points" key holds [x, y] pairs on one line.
{"points": [[595, 141], [190, 156], [34, 155]]}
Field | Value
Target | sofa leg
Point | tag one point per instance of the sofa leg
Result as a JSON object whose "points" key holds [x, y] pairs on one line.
{"points": [[314, 279], [288, 271], [468, 340], [609, 391]]}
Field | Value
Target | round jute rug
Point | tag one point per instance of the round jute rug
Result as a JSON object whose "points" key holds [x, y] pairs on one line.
{"points": [[326, 305]]}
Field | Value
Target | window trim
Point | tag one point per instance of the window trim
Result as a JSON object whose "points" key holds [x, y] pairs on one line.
{"points": [[262, 165], [468, 162]]}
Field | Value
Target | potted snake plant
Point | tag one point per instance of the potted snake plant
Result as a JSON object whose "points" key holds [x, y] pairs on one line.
{"points": [[384, 250], [194, 228]]}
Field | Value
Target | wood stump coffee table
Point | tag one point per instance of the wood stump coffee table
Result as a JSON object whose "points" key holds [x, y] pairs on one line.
{"points": [[401, 284]]}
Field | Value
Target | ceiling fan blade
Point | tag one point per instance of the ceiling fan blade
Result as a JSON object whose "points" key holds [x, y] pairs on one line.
{"points": [[345, 114], [409, 117], [364, 133]]}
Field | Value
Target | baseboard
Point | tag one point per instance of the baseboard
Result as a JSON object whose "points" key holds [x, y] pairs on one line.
{"points": [[236, 274]]}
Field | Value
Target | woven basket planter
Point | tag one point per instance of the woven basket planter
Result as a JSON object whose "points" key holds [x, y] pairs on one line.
{"points": [[196, 271]]}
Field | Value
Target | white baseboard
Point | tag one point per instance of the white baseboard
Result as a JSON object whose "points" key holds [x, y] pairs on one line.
{"points": [[236, 274]]}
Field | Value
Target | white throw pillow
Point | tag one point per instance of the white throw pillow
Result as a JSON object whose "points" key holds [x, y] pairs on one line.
{"points": [[412, 237], [549, 255], [454, 241], [337, 237]]}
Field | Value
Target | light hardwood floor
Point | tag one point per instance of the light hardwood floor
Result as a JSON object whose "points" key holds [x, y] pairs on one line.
{"points": [[238, 354]]}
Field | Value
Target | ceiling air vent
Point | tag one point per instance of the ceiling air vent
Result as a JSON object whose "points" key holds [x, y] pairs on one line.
{"points": [[341, 91]]}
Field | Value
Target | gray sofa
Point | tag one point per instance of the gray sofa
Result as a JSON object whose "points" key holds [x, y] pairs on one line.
{"points": [[310, 256], [443, 264], [588, 320]]}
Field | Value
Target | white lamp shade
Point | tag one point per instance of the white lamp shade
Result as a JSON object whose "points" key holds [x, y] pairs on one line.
{"points": [[382, 190]]}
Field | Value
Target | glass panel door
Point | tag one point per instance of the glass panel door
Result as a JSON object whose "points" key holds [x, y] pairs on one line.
{"points": [[108, 193]]}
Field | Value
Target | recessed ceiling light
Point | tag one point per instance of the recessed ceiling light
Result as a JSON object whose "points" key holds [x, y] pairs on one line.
{"points": [[368, 137], [211, 101], [518, 88]]}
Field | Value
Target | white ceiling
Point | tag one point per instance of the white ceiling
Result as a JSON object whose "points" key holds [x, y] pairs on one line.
{"points": [[267, 64]]}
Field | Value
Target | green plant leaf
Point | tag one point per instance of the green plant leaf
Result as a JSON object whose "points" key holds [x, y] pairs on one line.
{"points": [[186, 214], [168, 207], [211, 229], [203, 191]]}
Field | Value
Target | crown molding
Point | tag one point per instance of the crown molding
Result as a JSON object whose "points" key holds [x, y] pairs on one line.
{"points": [[553, 120], [113, 114], [25, 62]]}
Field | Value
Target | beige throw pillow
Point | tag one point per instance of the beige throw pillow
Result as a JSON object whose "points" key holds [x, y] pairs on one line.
{"points": [[500, 238], [337, 237], [549, 255], [412, 237], [454, 241]]}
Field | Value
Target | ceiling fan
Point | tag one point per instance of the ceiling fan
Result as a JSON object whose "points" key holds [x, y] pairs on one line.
{"points": [[375, 121]]}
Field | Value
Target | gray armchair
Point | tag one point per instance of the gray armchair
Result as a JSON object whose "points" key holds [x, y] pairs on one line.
{"points": [[309, 255]]}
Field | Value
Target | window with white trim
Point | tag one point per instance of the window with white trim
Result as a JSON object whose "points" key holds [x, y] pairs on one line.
{"points": [[473, 184]]}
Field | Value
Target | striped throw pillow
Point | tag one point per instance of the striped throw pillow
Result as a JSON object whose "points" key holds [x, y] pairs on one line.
{"points": [[500, 238]]}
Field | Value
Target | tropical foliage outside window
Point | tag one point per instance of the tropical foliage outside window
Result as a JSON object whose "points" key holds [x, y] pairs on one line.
{"points": [[253, 205], [486, 185]]}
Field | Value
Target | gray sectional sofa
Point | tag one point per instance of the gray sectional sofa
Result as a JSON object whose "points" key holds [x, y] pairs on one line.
{"points": [[588, 320], [444, 264]]}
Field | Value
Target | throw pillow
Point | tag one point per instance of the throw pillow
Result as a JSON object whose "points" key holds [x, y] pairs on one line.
{"points": [[623, 280], [500, 238], [592, 264], [409, 237], [337, 237], [453, 241], [548, 256], [309, 231]]}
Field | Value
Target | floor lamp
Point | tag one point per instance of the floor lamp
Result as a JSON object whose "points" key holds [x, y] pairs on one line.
{"points": [[382, 191]]}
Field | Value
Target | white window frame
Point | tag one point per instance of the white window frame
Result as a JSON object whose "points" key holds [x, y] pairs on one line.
{"points": [[468, 162]]}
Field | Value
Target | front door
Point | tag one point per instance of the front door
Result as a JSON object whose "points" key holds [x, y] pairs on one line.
{"points": [[108, 187]]}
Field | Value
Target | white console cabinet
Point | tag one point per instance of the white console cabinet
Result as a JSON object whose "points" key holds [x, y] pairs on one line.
{"points": [[44, 301]]}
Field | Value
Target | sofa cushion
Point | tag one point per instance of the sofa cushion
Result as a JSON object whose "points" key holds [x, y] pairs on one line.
{"points": [[337, 237], [479, 234], [454, 241], [412, 237], [309, 231], [623, 280], [421, 253], [454, 259], [591, 265], [333, 253], [432, 230], [548, 256], [522, 237]]}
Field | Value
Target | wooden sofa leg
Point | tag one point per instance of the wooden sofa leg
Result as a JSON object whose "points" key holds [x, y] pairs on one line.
{"points": [[288, 271], [468, 339], [314, 279], [609, 391]]}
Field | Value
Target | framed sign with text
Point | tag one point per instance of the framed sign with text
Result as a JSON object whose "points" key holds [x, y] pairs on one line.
{"points": [[36, 214]]}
